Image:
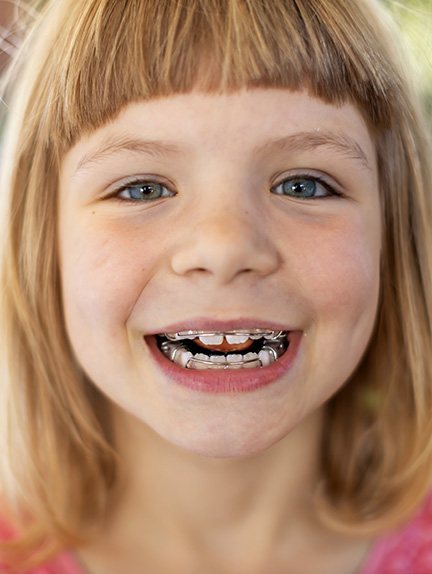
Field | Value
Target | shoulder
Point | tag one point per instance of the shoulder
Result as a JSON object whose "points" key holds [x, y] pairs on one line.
{"points": [[406, 550]]}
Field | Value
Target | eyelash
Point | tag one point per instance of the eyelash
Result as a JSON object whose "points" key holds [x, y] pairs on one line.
{"points": [[330, 191]]}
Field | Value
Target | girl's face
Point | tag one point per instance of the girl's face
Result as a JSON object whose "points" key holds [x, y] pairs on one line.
{"points": [[258, 208]]}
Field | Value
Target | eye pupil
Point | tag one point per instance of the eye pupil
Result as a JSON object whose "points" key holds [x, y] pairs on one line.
{"points": [[300, 187], [145, 190]]}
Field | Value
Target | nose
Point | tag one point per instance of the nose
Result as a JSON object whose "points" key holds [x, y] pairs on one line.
{"points": [[223, 246]]}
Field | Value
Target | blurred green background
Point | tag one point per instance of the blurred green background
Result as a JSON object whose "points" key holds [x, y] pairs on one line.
{"points": [[414, 19]]}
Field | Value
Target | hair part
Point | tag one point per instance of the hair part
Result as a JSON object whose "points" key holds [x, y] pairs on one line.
{"points": [[83, 62]]}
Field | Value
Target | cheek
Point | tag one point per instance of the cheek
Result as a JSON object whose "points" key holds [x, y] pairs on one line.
{"points": [[337, 277], [347, 279], [341, 270], [341, 279], [103, 273]]}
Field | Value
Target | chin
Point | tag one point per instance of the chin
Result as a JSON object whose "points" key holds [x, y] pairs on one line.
{"points": [[226, 445]]}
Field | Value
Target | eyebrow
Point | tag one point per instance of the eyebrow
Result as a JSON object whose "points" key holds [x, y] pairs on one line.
{"points": [[342, 144], [116, 144]]}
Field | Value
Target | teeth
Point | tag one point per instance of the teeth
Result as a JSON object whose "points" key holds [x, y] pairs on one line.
{"points": [[183, 358], [212, 339], [252, 361], [178, 353], [181, 335], [273, 335], [266, 357], [234, 358], [272, 351], [198, 364], [217, 359], [235, 339], [255, 337]]}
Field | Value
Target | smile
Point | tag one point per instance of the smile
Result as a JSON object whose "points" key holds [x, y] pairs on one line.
{"points": [[262, 357], [239, 349]]}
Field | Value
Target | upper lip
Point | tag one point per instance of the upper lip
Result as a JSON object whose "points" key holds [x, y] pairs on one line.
{"points": [[216, 325]]}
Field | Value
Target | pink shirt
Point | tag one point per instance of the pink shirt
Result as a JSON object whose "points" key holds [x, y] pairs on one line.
{"points": [[406, 551]]}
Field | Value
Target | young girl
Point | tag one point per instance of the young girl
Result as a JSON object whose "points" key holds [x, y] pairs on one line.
{"points": [[216, 293]]}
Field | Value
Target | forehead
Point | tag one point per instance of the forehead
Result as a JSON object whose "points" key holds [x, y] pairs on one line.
{"points": [[258, 121]]}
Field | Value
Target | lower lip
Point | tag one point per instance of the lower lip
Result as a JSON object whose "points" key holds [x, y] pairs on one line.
{"points": [[226, 380]]}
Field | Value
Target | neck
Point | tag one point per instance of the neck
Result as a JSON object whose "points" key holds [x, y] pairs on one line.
{"points": [[183, 512], [197, 498]]}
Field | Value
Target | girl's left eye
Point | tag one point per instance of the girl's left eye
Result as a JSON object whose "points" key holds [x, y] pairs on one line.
{"points": [[304, 187], [143, 191]]}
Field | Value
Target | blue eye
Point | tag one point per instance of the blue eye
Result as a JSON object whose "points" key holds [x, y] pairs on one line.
{"points": [[302, 187], [143, 191]]}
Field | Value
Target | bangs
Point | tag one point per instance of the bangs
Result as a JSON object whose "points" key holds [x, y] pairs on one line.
{"points": [[107, 54]]}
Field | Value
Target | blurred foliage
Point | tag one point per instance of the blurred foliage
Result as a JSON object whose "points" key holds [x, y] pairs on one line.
{"points": [[414, 19]]}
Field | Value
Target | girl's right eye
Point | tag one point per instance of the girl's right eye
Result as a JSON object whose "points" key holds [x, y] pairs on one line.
{"points": [[143, 191]]}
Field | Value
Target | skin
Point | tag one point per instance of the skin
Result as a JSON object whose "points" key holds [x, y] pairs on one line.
{"points": [[223, 244]]}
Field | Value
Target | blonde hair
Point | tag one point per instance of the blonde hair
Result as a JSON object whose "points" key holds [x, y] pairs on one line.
{"points": [[82, 63]]}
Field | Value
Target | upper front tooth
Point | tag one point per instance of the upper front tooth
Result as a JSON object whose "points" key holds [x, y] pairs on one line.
{"points": [[211, 339], [235, 339]]}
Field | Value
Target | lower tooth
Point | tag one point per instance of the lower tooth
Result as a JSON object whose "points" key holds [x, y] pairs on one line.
{"points": [[234, 358], [217, 359], [252, 361], [179, 354], [197, 364], [183, 358], [218, 362], [187, 360], [235, 361], [265, 357]]}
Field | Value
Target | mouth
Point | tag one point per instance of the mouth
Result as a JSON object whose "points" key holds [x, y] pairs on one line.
{"points": [[226, 350], [212, 355]]}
